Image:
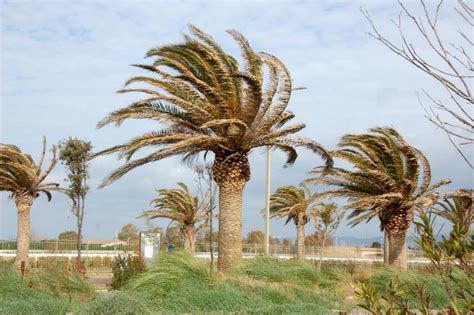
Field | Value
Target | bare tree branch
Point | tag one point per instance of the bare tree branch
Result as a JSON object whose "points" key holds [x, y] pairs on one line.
{"points": [[452, 66]]}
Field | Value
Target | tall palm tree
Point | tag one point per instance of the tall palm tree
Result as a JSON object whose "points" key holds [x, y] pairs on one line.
{"points": [[20, 175], [390, 180], [457, 209], [210, 103], [297, 205], [180, 206]]}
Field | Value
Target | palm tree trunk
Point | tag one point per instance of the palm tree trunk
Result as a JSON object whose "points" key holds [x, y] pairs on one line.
{"points": [[23, 203], [397, 251], [300, 241], [190, 232], [230, 173], [230, 227]]}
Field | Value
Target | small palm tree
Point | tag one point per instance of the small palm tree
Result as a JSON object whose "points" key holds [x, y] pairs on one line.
{"points": [[389, 180], [180, 206], [210, 103], [457, 209], [20, 175], [297, 205]]}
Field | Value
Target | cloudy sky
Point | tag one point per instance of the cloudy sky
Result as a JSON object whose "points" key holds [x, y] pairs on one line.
{"points": [[61, 63]]}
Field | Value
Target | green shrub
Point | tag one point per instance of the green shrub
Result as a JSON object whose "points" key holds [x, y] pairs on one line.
{"points": [[124, 268], [411, 280]]}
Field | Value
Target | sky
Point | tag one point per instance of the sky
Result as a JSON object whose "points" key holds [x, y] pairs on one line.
{"points": [[63, 61]]}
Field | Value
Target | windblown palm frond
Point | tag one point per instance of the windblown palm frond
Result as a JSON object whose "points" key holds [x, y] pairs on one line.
{"points": [[458, 209], [19, 174], [209, 103], [177, 204], [389, 180], [293, 203]]}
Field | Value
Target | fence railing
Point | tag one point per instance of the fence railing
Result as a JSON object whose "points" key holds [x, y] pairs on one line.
{"points": [[101, 253], [58, 246]]}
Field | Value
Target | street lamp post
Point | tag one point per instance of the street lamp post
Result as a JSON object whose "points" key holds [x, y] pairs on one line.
{"points": [[267, 203]]}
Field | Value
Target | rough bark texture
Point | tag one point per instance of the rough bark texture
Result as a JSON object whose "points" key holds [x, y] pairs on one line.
{"points": [[23, 203], [300, 241], [397, 253], [396, 228], [190, 232], [230, 174]]}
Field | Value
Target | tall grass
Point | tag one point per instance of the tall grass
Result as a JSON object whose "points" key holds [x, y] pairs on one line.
{"points": [[17, 298], [168, 272], [61, 283], [177, 283]]}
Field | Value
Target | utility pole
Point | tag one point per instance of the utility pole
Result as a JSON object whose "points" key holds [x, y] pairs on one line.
{"points": [[267, 203]]}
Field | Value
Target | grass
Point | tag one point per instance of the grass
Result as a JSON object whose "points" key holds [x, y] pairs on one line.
{"points": [[17, 298], [118, 303], [179, 283], [61, 283]]}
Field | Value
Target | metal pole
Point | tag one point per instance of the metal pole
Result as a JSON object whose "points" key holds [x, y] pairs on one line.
{"points": [[267, 204]]}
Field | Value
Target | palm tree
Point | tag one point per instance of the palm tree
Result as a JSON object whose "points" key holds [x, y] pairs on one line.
{"points": [[457, 209], [20, 175], [390, 180], [210, 103], [297, 205], [180, 206]]}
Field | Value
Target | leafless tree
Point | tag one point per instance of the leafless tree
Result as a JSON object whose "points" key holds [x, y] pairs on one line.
{"points": [[452, 65], [208, 193]]}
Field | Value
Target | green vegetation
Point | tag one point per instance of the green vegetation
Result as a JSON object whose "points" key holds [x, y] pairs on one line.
{"points": [[411, 280], [124, 268], [179, 283], [118, 303], [61, 283], [16, 297]]}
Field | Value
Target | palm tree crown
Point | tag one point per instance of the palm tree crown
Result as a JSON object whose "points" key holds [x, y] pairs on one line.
{"points": [[390, 179], [20, 175], [210, 103], [177, 204], [293, 203]]}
